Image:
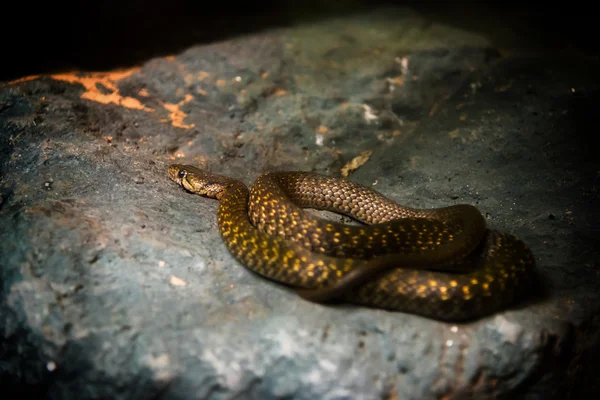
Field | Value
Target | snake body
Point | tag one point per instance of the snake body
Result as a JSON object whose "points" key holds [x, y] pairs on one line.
{"points": [[441, 263]]}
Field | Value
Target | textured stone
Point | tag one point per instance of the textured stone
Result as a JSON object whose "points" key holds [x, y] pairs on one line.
{"points": [[115, 283]]}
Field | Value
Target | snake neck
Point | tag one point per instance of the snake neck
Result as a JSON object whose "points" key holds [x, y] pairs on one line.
{"points": [[234, 192]]}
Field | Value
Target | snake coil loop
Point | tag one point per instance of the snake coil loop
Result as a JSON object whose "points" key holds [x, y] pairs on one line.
{"points": [[441, 263]]}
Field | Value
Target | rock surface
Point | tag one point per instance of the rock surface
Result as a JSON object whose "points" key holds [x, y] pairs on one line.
{"points": [[115, 283]]}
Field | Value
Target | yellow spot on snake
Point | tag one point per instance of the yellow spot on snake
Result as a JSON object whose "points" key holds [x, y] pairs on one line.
{"points": [[453, 283], [444, 293]]}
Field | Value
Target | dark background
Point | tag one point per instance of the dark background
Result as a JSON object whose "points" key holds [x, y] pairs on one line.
{"points": [[99, 35]]}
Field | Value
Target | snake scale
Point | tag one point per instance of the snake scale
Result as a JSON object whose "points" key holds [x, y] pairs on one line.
{"points": [[441, 263]]}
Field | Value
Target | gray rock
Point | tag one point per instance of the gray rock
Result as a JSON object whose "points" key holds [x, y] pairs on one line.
{"points": [[115, 283]]}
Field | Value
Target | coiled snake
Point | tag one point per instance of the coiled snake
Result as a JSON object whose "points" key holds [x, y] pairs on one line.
{"points": [[440, 263]]}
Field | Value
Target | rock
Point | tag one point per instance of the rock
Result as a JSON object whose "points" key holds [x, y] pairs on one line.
{"points": [[115, 282]]}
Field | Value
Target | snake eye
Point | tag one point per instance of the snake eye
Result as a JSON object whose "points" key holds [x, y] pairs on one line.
{"points": [[181, 174]]}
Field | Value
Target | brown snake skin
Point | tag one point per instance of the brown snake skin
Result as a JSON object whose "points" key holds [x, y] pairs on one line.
{"points": [[405, 259]]}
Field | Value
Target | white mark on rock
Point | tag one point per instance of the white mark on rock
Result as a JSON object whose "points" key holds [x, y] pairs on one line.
{"points": [[454, 329], [403, 64], [201, 266], [175, 281], [391, 84], [510, 330], [51, 366], [369, 115], [319, 139], [449, 343], [288, 346], [315, 377], [159, 365], [228, 369], [328, 366], [158, 362]]}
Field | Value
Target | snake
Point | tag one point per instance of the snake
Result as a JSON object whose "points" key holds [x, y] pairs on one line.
{"points": [[441, 263]]}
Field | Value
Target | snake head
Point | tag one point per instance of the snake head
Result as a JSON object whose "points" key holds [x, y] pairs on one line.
{"points": [[197, 181]]}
